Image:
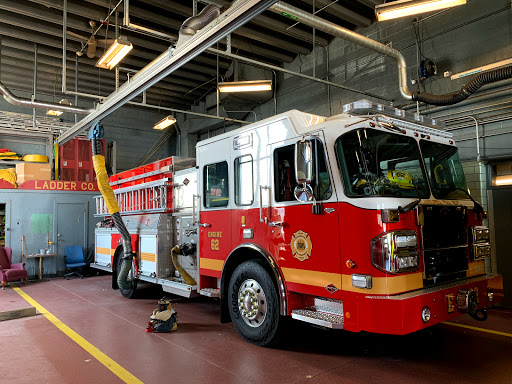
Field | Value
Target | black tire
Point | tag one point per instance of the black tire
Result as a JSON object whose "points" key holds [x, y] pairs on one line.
{"points": [[127, 293], [259, 324]]}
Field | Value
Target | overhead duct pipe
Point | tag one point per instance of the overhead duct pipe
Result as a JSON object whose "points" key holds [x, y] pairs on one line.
{"points": [[345, 34], [23, 102], [238, 14]]}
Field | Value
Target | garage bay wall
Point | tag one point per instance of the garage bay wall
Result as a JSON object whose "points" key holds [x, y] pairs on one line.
{"points": [[63, 218]]}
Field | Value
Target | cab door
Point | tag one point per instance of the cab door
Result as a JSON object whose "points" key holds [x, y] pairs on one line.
{"points": [[306, 244], [216, 191]]}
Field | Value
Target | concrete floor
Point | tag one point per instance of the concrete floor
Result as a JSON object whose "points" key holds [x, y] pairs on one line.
{"points": [[204, 351]]}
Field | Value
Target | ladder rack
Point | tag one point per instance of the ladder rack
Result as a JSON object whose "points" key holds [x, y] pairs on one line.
{"points": [[151, 197]]}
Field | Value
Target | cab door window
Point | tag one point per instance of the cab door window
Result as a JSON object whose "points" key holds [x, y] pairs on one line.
{"points": [[216, 189], [244, 186], [284, 173]]}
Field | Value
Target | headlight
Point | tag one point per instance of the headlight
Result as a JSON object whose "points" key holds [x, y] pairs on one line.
{"points": [[396, 252], [480, 234], [480, 238]]}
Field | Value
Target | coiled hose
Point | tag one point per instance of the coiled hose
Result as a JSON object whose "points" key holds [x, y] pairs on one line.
{"points": [[467, 90], [113, 208], [184, 274]]}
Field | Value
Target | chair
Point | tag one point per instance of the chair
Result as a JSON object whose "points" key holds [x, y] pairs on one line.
{"points": [[74, 259], [9, 271]]}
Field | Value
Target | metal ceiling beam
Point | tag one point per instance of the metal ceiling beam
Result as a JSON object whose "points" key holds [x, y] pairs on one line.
{"points": [[45, 86], [341, 12], [43, 39], [75, 8], [370, 3], [49, 55], [21, 68], [238, 14], [261, 21], [39, 13], [244, 32]]}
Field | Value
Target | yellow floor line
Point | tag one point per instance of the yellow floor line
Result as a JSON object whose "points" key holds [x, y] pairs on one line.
{"points": [[479, 329], [119, 371]]}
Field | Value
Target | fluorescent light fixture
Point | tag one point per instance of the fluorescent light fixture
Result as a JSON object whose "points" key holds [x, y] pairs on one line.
{"points": [[54, 112], [403, 8], [246, 86], [115, 53], [503, 180], [169, 120]]}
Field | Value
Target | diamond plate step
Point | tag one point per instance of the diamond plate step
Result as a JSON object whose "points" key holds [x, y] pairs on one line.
{"points": [[210, 292], [322, 319], [326, 313]]}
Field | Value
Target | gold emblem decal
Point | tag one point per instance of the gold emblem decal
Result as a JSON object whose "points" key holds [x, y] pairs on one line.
{"points": [[301, 245]]}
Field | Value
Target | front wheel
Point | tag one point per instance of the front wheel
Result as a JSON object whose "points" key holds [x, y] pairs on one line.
{"points": [[127, 293], [254, 304]]}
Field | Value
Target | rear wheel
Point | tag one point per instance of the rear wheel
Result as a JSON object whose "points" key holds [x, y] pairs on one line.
{"points": [[128, 293], [254, 304]]}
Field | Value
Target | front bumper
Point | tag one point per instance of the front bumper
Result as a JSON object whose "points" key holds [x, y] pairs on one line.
{"points": [[401, 314]]}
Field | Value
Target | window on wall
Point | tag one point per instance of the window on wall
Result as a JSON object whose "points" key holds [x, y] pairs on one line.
{"points": [[284, 173], [216, 189], [244, 186]]}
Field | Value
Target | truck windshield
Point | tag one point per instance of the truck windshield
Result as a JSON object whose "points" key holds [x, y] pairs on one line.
{"points": [[375, 163], [444, 170]]}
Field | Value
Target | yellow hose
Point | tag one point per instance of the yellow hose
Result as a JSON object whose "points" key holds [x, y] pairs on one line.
{"points": [[174, 256], [103, 184]]}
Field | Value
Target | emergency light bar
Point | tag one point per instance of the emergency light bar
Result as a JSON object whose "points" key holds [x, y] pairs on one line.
{"points": [[399, 116]]}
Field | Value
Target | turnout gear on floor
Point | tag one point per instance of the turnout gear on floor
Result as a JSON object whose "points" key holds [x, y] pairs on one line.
{"points": [[164, 318]]}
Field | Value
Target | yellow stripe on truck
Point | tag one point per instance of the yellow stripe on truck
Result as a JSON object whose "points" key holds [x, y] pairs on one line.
{"points": [[308, 277], [390, 285], [213, 264], [103, 251], [147, 256], [381, 285]]}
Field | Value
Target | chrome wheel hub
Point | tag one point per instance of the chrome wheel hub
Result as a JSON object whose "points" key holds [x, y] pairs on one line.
{"points": [[252, 303]]}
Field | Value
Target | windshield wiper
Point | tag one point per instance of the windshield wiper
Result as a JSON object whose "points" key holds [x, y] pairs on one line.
{"points": [[412, 204], [478, 208]]}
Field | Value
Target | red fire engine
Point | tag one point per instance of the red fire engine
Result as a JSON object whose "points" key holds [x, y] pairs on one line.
{"points": [[360, 221]]}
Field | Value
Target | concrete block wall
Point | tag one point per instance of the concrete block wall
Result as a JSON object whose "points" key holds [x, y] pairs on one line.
{"points": [[476, 180]]}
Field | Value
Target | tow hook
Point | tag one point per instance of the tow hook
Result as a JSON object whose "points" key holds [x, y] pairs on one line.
{"points": [[479, 315]]}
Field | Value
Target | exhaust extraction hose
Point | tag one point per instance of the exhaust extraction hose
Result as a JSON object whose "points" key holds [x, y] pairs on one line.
{"points": [[467, 90], [113, 208]]}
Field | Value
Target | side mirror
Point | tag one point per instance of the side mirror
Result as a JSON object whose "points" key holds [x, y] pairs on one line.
{"points": [[303, 162]]}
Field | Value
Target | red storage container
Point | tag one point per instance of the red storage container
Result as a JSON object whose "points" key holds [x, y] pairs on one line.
{"points": [[75, 158]]}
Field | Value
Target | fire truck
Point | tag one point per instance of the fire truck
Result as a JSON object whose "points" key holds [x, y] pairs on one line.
{"points": [[360, 221]]}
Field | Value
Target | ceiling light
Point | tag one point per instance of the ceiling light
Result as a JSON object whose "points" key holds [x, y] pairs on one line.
{"points": [[169, 120], [56, 112], [403, 8], [246, 86], [115, 53], [503, 180]]}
